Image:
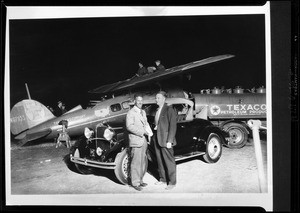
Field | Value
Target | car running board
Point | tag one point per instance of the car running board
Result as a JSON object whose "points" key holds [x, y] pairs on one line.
{"points": [[187, 156]]}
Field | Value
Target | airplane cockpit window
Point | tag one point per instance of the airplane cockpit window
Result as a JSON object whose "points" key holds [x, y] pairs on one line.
{"points": [[115, 107]]}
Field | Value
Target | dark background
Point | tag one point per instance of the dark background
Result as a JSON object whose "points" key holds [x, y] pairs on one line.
{"points": [[62, 59]]}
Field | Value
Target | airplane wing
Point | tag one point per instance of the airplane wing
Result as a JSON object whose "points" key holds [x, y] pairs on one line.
{"points": [[110, 87], [159, 75], [106, 88]]}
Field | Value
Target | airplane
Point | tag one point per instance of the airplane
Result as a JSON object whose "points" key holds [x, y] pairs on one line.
{"points": [[30, 120]]}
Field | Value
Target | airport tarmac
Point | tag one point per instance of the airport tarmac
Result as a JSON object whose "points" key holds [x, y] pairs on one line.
{"points": [[44, 169]]}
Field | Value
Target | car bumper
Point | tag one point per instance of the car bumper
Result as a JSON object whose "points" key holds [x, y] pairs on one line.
{"points": [[92, 163]]}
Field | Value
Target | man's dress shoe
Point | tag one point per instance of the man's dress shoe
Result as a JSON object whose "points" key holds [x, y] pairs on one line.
{"points": [[138, 188], [160, 183], [169, 187], [143, 184]]}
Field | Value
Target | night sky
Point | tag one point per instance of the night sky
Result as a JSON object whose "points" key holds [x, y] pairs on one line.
{"points": [[62, 59]]}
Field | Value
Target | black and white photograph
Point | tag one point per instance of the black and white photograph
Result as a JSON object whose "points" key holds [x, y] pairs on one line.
{"points": [[138, 106]]}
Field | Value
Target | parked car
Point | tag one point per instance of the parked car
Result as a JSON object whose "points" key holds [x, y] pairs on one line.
{"points": [[106, 147]]}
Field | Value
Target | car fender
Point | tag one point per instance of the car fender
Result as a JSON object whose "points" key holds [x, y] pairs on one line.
{"points": [[116, 149], [80, 141], [203, 135]]}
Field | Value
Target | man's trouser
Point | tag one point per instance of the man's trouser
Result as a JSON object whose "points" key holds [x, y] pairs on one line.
{"points": [[137, 165], [166, 162]]}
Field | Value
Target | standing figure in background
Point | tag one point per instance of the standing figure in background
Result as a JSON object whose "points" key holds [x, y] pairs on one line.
{"points": [[61, 109]]}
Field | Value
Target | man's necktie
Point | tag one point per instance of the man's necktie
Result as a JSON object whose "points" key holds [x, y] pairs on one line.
{"points": [[143, 121]]}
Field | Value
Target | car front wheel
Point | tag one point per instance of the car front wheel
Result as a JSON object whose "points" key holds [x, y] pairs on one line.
{"points": [[213, 148], [123, 166]]}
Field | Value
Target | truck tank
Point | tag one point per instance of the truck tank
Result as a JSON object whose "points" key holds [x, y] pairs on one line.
{"points": [[231, 110]]}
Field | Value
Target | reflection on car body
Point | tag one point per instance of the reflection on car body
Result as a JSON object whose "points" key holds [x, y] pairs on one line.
{"points": [[106, 147]]}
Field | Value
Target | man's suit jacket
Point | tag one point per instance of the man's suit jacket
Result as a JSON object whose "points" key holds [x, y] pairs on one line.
{"points": [[160, 67], [166, 126], [136, 125]]}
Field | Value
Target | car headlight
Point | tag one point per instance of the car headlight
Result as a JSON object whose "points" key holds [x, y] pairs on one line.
{"points": [[88, 132], [108, 134], [99, 151]]}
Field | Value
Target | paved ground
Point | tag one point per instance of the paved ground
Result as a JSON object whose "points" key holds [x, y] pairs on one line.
{"points": [[44, 169]]}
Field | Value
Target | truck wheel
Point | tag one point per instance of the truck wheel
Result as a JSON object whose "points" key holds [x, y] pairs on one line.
{"points": [[86, 170], [122, 166], [213, 148], [238, 135]]}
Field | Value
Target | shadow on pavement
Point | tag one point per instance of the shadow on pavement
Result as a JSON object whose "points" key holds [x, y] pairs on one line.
{"points": [[108, 173], [69, 164], [152, 170], [190, 159]]}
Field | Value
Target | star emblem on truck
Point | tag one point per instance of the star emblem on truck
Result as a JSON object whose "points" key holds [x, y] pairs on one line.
{"points": [[215, 110]]}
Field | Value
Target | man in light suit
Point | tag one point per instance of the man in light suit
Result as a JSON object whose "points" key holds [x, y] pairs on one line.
{"points": [[138, 129], [164, 140]]}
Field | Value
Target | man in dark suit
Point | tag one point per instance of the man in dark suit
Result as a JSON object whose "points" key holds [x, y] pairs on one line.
{"points": [[164, 140], [159, 66], [138, 128], [60, 109], [142, 70]]}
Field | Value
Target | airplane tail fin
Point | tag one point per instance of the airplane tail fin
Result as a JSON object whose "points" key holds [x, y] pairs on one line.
{"points": [[26, 114]]}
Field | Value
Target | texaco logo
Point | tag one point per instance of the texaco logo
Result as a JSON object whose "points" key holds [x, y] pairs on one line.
{"points": [[215, 110]]}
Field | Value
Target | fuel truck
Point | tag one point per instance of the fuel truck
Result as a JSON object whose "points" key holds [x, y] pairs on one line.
{"points": [[230, 109]]}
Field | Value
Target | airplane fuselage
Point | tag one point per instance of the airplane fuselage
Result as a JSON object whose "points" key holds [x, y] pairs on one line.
{"points": [[112, 111]]}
